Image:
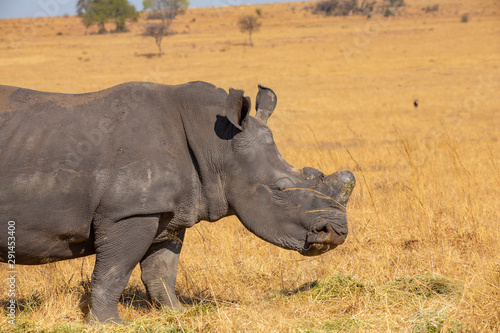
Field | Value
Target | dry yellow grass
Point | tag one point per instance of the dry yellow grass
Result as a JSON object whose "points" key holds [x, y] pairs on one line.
{"points": [[423, 252]]}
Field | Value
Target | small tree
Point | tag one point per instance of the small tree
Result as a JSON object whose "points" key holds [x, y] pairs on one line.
{"points": [[167, 11], [157, 31], [122, 11], [99, 12], [249, 23], [93, 12]]}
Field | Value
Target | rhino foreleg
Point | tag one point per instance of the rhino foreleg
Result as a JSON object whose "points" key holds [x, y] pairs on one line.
{"points": [[159, 271], [119, 248]]}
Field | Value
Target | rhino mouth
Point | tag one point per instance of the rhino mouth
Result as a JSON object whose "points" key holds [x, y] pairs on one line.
{"points": [[322, 241], [315, 249]]}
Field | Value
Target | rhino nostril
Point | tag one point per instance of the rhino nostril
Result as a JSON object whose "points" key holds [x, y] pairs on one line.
{"points": [[327, 235], [323, 230], [327, 230], [321, 235]]}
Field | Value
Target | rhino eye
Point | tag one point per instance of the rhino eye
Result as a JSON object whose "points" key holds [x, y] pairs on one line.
{"points": [[284, 183]]}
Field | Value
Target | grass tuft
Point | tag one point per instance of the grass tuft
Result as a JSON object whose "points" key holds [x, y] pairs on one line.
{"points": [[425, 285], [429, 321], [340, 286], [344, 324]]}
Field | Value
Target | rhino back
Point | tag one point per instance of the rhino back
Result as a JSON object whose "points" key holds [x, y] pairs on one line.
{"points": [[68, 160]]}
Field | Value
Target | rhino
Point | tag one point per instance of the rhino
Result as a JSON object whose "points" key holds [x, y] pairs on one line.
{"points": [[121, 173]]}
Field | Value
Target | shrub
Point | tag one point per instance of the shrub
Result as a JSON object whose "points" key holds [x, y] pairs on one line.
{"points": [[326, 7], [395, 3], [391, 7], [343, 7], [347, 7], [429, 9]]}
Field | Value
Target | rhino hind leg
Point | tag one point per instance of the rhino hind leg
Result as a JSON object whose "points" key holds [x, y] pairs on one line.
{"points": [[119, 248], [159, 271]]}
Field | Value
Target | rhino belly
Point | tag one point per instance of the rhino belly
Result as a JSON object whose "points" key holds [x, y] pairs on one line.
{"points": [[45, 229], [39, 248]]}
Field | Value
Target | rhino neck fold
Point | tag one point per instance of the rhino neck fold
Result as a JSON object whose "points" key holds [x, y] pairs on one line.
{"points": [[212, 202], [207, 153]]}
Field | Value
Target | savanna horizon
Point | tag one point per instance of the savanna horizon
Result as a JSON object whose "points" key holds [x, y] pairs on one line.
{"points": [[423, 244]]}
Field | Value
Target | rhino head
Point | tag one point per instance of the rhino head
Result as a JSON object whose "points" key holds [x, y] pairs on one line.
{"points": [[297, 209]]}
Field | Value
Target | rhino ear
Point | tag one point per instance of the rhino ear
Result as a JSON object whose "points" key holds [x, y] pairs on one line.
{"points": [[265, 103], [237, 107]]}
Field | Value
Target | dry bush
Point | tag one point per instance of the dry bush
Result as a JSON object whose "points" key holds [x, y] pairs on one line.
{"points": [[430, 9], [343, 7]]}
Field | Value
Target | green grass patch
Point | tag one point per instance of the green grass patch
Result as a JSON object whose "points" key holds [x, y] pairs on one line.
{"points": [[345, 324], [425, 285], [144, 326], [399, 296], [428, 321], [340, 286], [141, 325], [27, 326]]}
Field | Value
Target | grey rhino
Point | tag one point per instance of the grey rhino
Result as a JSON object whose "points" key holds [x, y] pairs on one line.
{"points": [[121, 173]]}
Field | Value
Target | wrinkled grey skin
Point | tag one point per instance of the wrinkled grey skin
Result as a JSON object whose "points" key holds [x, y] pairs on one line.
{"points": [[121, 173]]}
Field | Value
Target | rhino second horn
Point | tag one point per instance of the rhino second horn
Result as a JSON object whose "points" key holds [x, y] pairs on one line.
{"points": [[340, 185], [265, 103]]}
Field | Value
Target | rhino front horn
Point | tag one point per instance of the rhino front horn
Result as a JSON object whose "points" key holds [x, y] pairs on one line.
{"points": [[340, 185], [265, 103]]}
